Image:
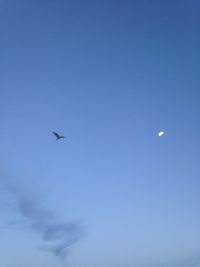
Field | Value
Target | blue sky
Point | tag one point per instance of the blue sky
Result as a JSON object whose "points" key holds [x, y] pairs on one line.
{"points": [[109, 75]]}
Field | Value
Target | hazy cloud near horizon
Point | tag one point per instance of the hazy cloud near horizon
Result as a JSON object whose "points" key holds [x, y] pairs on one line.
{"points": [[57, 236]]}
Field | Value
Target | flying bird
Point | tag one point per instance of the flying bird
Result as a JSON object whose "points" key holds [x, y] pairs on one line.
{"points": [[58, 136]]}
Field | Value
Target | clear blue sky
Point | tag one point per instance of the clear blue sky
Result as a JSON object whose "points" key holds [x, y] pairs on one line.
{"points": [[109, 75]]}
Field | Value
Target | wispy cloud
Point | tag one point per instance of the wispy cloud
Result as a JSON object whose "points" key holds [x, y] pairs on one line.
{"points": [[57, 236]]}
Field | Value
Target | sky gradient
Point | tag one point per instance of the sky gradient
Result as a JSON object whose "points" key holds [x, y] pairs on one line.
{"points": [[109, 75]]}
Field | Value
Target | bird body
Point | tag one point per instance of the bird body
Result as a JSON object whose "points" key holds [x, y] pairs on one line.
{"points": [[58, 136]]}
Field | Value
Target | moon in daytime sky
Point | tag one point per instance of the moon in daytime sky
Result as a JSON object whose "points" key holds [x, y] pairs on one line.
{"points": [[161, 133]]}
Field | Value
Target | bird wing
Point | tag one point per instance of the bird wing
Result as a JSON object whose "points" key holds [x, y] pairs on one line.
{"points": [[56, 134]]}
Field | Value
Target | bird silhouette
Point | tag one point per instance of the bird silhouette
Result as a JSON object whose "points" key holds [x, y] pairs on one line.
{"points": [[58, 136]]}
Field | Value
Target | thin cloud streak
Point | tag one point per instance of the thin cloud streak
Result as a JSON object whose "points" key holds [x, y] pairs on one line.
{"points": [[57, 236]]}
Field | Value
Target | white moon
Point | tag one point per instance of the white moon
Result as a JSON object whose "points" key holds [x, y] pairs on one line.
{"points": [[160, 133]]}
